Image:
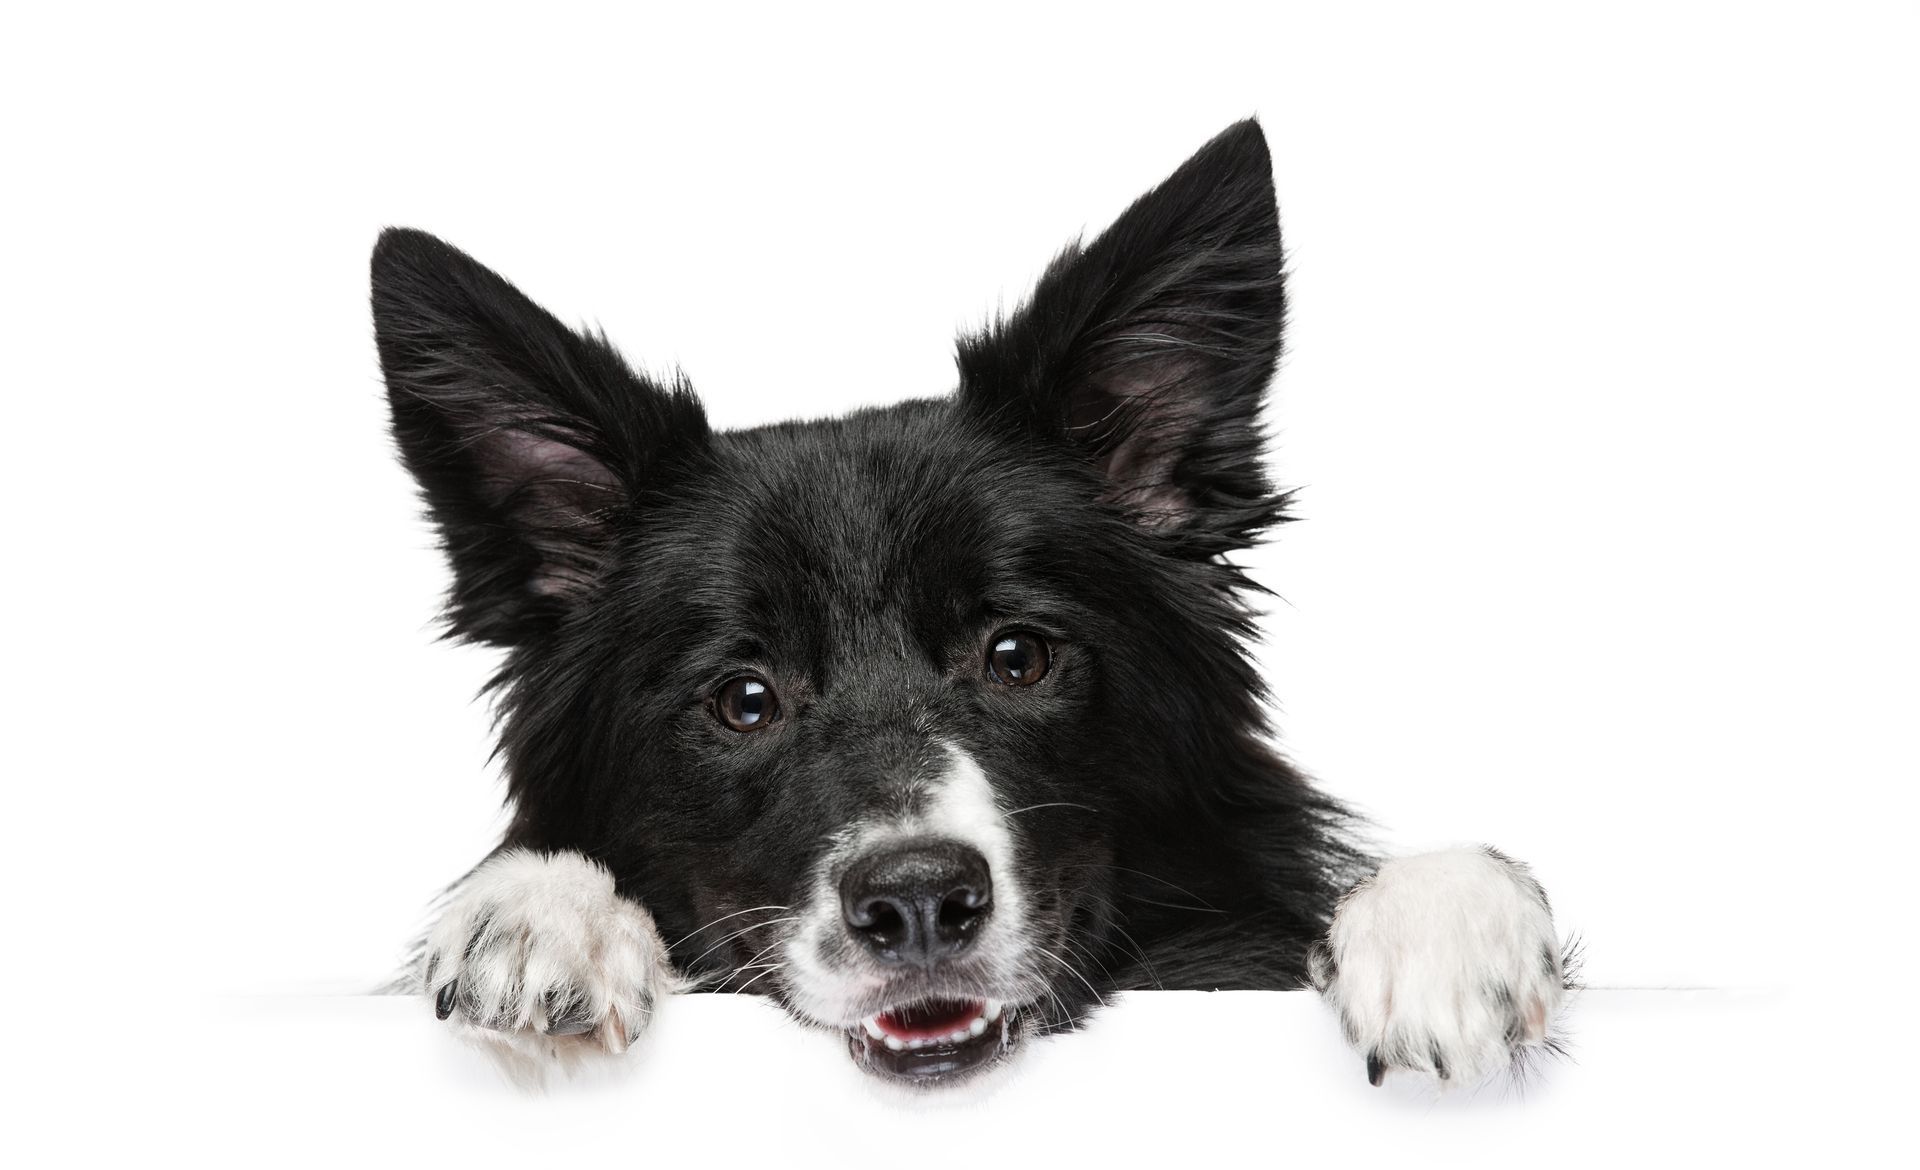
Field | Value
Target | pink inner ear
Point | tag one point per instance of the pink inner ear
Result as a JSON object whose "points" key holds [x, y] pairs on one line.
{"points": [[1151, 419], [1141, 481], [555, 496], [519, 457]]}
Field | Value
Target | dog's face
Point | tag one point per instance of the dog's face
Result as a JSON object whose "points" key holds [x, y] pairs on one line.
{"points": [[870, 712]]}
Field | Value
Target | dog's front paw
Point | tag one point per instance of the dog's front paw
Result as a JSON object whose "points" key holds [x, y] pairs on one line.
{"points": [[1445, 963], [537, 954]]}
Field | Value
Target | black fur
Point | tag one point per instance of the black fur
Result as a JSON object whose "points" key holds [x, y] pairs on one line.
{"points": [[1099, 461]]}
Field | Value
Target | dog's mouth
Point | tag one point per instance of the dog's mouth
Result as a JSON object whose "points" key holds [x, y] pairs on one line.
{"points": [[934, 1039]]}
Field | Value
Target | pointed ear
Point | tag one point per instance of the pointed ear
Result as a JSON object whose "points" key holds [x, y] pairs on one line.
{"points": [[1146, 353], [530, 441]]}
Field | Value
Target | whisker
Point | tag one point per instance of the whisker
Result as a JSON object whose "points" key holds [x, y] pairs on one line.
{"points": [[719, 920], [736, 934], [1142, 873], [1055, 804], [1089, 956], [741, 990], [1046, 985], [755, 957], [1075, 972], [753, 963], [1178, 906], [1059, 1008], [739, 971], [1114, 924]]}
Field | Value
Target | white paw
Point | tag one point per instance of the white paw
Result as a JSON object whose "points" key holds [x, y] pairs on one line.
{"points": [[1445, 963], [538, 956]]}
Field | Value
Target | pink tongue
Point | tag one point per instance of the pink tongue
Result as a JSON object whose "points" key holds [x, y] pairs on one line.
{"points": [[924, 1021]]}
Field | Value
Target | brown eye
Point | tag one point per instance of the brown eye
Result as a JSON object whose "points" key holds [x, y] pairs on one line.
{"points": [[746, 703], [1017, 658]]}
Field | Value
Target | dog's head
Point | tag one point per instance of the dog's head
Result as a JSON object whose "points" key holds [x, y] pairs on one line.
{"points": [[875, 714]]}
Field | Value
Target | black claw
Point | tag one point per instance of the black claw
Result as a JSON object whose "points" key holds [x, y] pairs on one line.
{"points": [[443, 1002], [570, 1017], [1439, 1063], [1376, 1069], [570, 1026]]}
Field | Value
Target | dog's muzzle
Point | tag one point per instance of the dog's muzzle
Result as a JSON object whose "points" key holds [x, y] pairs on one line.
{"points": [[917, 907]]}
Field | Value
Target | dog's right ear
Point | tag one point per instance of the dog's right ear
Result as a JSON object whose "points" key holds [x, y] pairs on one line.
{"points": [[530, 441]]}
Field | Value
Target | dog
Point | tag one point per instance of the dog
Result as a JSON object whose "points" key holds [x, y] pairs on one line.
{"points": [[934, 723]]}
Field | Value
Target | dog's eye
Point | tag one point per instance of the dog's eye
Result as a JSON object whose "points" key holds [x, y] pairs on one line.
{"points": [[746, 703], [1017, 658]]}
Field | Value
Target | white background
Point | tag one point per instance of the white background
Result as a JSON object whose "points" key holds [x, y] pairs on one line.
{"points": [[1601, 389]]}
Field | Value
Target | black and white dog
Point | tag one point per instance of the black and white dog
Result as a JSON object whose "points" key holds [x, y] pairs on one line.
{"points": [[934, 723]]}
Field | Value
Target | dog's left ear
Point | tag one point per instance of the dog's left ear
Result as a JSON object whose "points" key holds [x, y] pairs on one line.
{"points": [[1147, 352]]}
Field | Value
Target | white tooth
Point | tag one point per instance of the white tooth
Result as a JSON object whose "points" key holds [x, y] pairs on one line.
{"points": [[957, 1037], [872, 1025], [993, 1010], [978, 1026], [894, 1043]]}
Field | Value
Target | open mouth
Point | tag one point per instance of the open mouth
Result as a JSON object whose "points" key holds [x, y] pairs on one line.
{"points": [[934, 1038]]}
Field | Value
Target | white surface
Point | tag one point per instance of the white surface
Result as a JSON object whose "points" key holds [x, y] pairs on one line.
{"points": [[1601, 385], [1657, 1078]]}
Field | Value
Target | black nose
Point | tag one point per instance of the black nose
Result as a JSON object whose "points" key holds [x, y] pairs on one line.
{"points": [[918, 902]]}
